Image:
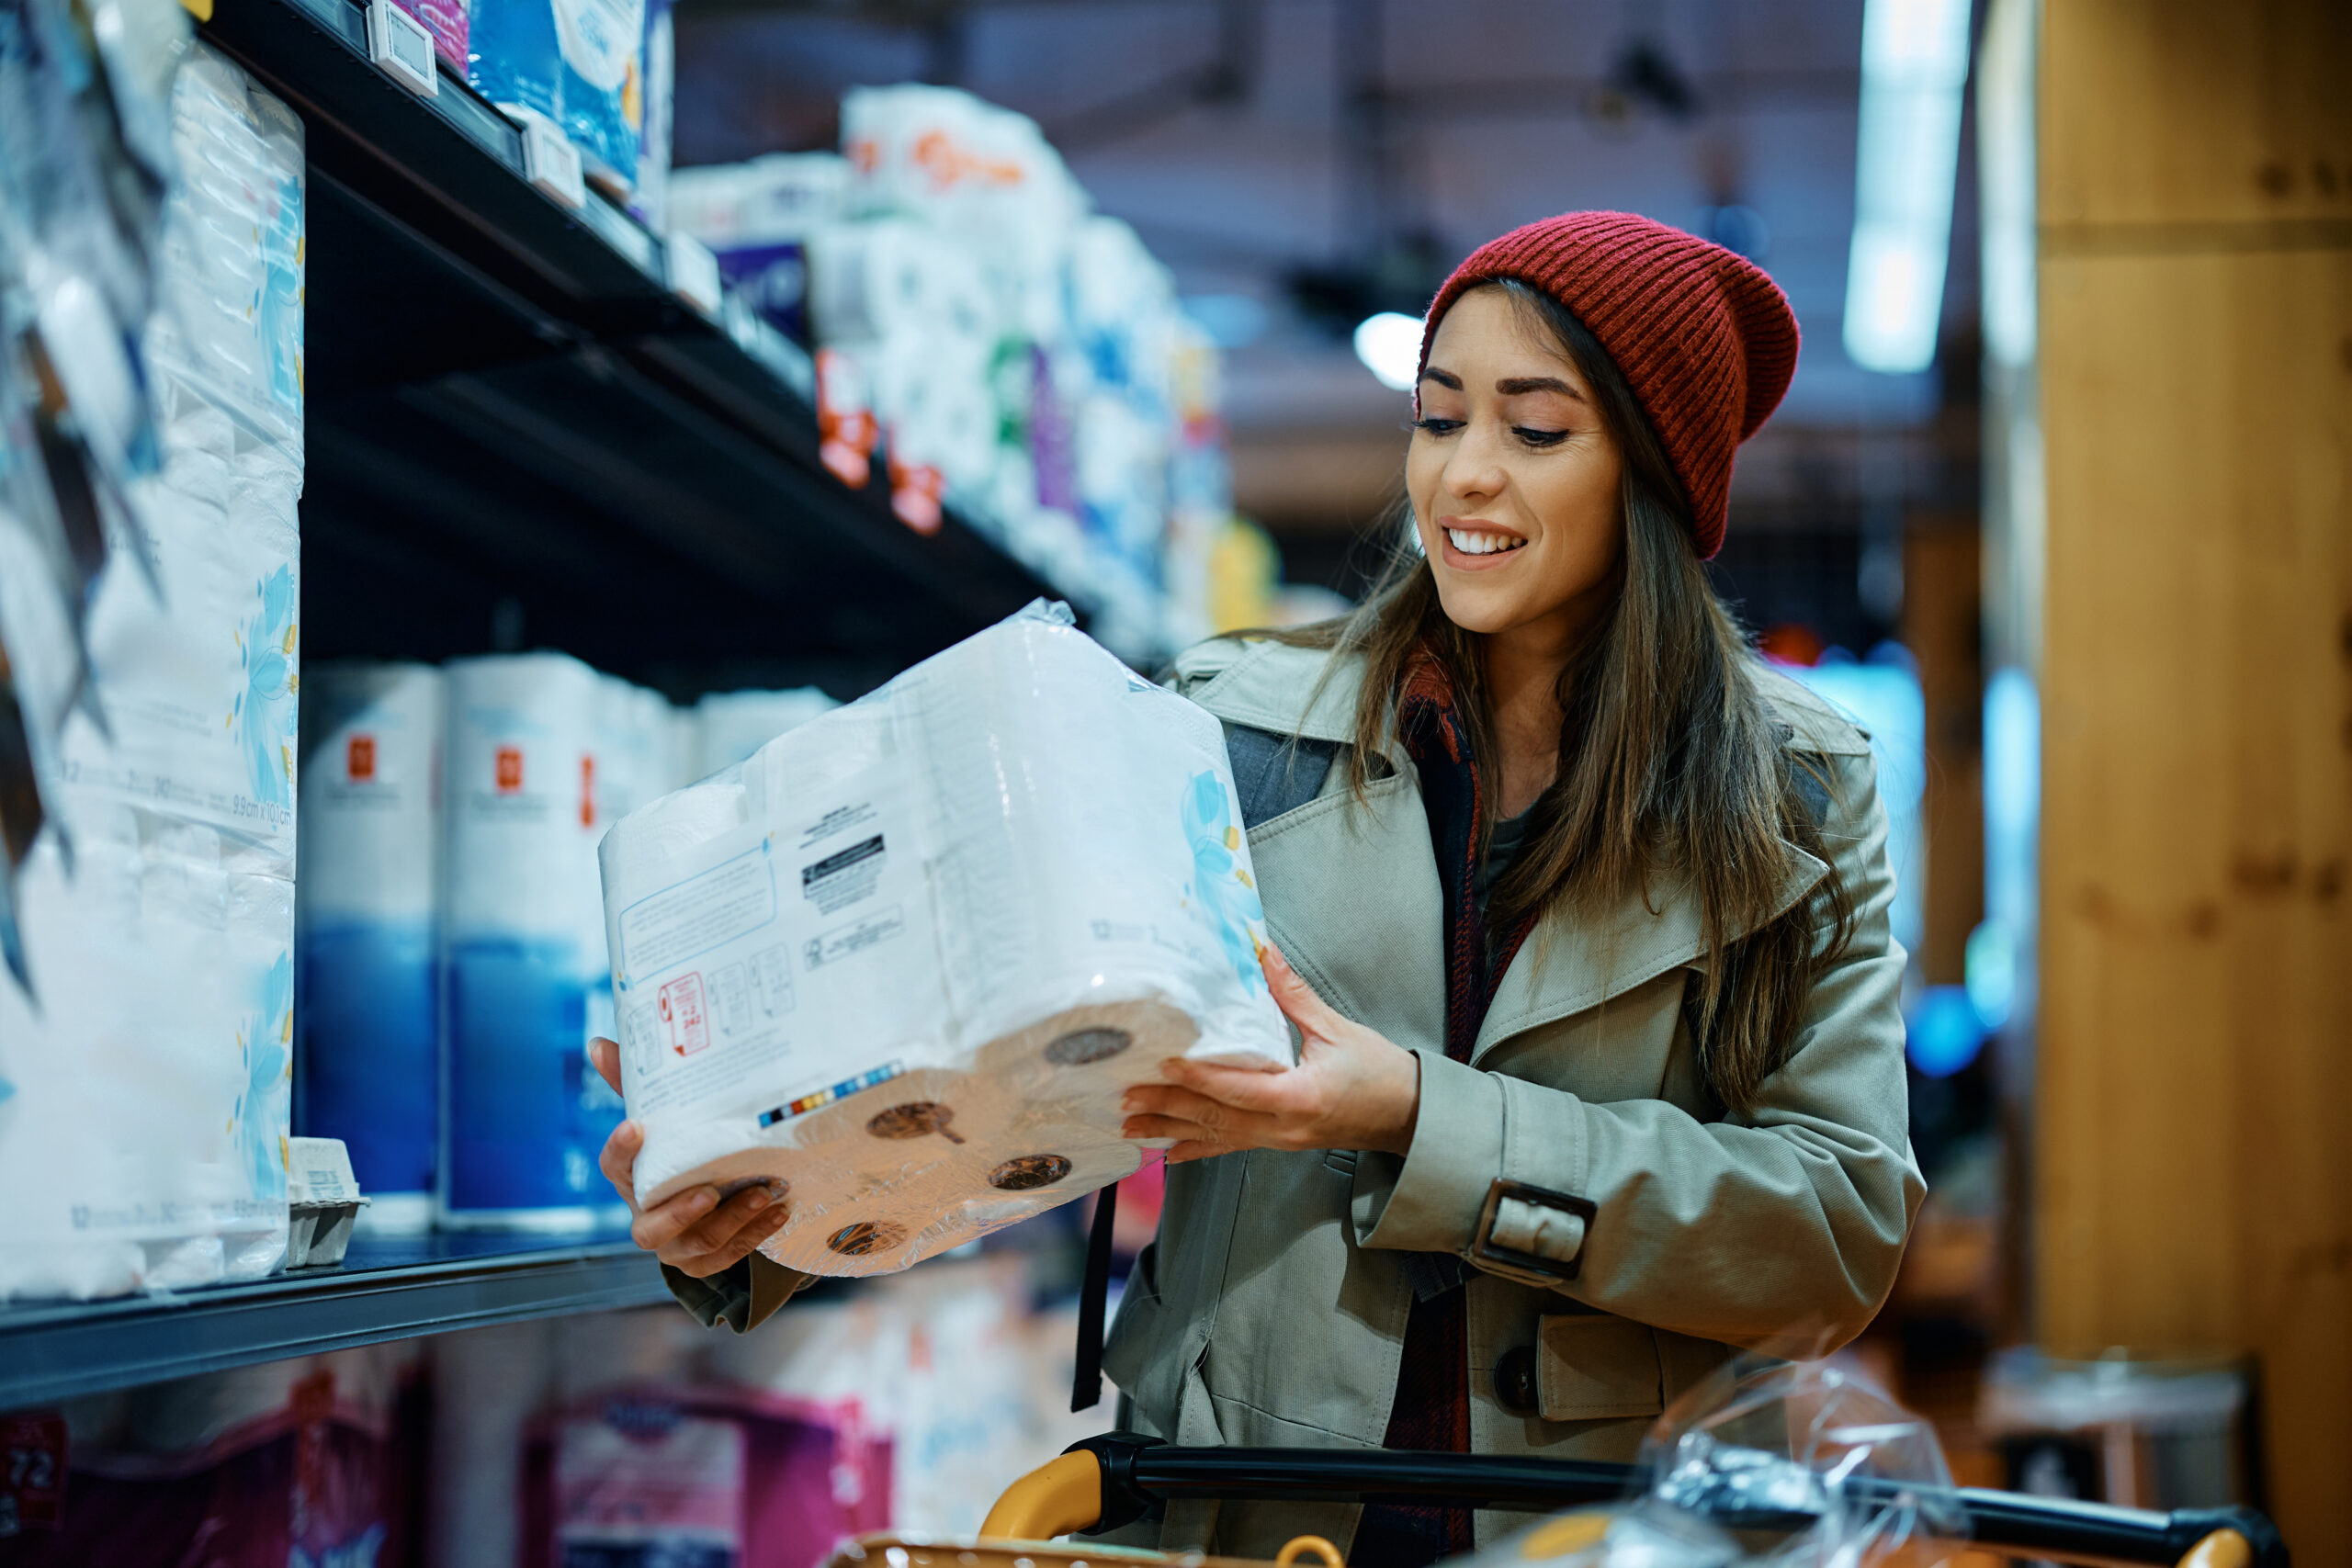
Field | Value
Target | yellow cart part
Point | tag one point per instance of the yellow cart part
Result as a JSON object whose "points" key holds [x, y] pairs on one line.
{"points": [[1056, 1498]]}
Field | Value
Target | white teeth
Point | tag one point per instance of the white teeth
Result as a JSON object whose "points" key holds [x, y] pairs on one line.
{"points": [[1471, 544]]}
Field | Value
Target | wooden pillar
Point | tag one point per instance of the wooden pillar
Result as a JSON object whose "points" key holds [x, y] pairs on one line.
{"points": [[2194, 1117]]}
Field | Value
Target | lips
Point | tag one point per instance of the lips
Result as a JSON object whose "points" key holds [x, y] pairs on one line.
{"points": [[1474, 547]]}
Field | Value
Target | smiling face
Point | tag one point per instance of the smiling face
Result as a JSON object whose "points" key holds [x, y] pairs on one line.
{"points": [[1515, 479]]}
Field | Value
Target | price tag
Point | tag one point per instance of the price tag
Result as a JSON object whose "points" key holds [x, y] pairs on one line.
{"points": [[693, 272], [551, 163], [32, 1472], [401, 49]]}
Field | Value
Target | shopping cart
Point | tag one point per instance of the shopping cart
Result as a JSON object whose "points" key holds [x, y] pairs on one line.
{"points": [[1118, 1478]]}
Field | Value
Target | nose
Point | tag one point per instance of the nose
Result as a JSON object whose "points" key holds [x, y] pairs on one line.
{"points": [[1474, 471]]}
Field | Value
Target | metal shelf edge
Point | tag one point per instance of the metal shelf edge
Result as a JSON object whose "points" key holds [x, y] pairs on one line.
{"points": [[53, 1353]]}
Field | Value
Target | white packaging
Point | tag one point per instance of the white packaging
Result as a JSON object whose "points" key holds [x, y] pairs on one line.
{"points": [[232, 279], [522, 1116], [370, 897], [731, 725], [144, 1084], [145, 1075], [901, 963]]}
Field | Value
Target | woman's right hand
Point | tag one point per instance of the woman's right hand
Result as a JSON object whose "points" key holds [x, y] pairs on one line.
{"points": [[692, 1230]]}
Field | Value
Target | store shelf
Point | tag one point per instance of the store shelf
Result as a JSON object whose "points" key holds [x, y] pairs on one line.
{"points": [[385, 1289], [508, 411]]}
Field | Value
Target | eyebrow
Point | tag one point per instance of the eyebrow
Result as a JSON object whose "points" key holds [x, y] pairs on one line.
{"points": [[1519, 384]]}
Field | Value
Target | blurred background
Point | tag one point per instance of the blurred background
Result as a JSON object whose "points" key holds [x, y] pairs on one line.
{"points": [[653, 376]]}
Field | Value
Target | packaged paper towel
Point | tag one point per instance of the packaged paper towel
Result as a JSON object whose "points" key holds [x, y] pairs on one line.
{"points": [[525, 1116], [366, 907], [901, 963]]}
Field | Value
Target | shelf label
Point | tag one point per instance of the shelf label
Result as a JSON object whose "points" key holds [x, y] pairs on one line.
{"points": [[551, 163], [401, 47], [693, 272]]}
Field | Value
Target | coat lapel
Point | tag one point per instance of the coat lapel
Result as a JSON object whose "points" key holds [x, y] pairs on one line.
{"points": [[1564, 968], [1361, 912]]}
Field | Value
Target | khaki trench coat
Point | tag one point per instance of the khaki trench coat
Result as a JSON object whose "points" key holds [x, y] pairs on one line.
{"points": [[1609, 1223], [1612, 1224]]}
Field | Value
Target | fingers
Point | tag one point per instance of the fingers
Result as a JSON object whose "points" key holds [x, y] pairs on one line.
{"points": [[618, 1160], [1293, 993], [1174, 1127], [1192, 1149], [664, 1223], [605, 1055], [701, 1266], [718, 1227], [1240, 1087]]}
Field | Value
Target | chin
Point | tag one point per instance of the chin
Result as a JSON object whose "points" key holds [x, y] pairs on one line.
{"points": [[1475, 610]]}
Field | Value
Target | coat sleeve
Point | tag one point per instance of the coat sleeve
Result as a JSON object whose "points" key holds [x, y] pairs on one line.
{"points": [[1779, 1229], [743, 1297]]}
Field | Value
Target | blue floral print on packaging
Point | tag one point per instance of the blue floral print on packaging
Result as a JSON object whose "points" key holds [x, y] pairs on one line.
{"points": [[267, 1041], [1224, 888], [264, 712]]}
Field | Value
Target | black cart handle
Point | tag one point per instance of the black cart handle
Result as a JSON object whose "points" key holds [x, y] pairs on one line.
{"points": [[1139, 1473]]}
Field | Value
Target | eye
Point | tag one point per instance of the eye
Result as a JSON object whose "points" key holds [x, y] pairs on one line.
{"points": [[1438, 426], [1539, 439]]}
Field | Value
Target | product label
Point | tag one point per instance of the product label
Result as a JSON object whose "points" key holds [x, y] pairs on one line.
{"points": [[684, 1026], [600, 39], [359, 758], [32, 1472], [682, 921]]}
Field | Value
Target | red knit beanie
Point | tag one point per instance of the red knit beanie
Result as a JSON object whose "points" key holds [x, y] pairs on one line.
{"points": [[1705, 339]]}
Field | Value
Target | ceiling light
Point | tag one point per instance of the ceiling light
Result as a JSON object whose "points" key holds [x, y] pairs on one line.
{"points": [[1390, 346], [1914, 63]]}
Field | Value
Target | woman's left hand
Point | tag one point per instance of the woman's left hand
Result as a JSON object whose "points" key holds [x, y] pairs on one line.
{"points": [[1354, 1088]]}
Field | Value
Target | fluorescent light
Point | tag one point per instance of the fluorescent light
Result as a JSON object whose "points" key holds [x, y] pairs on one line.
{"points": [[1914, 63], [1390, 346]]}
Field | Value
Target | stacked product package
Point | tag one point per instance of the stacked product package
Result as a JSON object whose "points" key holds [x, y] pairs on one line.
{"points": [[452, 956], [145, 1050], [901, 963], [369, 922], [983, 342], [598, 70]]}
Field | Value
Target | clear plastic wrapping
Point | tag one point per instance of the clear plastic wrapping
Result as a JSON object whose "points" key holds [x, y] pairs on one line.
{"points": [[1798, 1466], [901, 963]]}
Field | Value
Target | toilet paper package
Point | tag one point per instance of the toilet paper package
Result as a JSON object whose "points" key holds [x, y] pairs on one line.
{"points": [[731, 725], [145, 1059], [523, 1115], [901, 963], [366, 911]]}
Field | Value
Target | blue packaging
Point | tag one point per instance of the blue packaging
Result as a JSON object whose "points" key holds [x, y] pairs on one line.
{"points": [[368, 1004], [524, 1117]]}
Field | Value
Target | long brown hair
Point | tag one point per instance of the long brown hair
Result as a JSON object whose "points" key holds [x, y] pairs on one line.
{"points": [[1670, 759]]}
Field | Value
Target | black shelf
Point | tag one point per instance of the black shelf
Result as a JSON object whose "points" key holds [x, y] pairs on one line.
{"points": [[385, 1289], [507, 408]]}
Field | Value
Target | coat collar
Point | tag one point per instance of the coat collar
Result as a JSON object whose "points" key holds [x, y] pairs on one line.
{"points": [[1563, 968], [1275, 687]]}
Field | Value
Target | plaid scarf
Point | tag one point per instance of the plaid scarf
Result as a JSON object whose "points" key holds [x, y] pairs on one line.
{"points": [[1433, 1409]]}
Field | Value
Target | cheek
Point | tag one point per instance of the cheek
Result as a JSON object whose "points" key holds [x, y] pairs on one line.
{"points": [[1581, 507]]}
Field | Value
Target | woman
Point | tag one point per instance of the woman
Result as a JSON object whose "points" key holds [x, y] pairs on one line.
{"points": [[1580, 911]]}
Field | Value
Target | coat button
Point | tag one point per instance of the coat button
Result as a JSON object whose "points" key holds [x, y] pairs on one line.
{"points": [[1515, 1380]]}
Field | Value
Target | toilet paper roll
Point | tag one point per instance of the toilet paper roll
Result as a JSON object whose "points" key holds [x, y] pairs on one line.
{"points": [[901, 964], [370, 896], [524, 1116]]}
